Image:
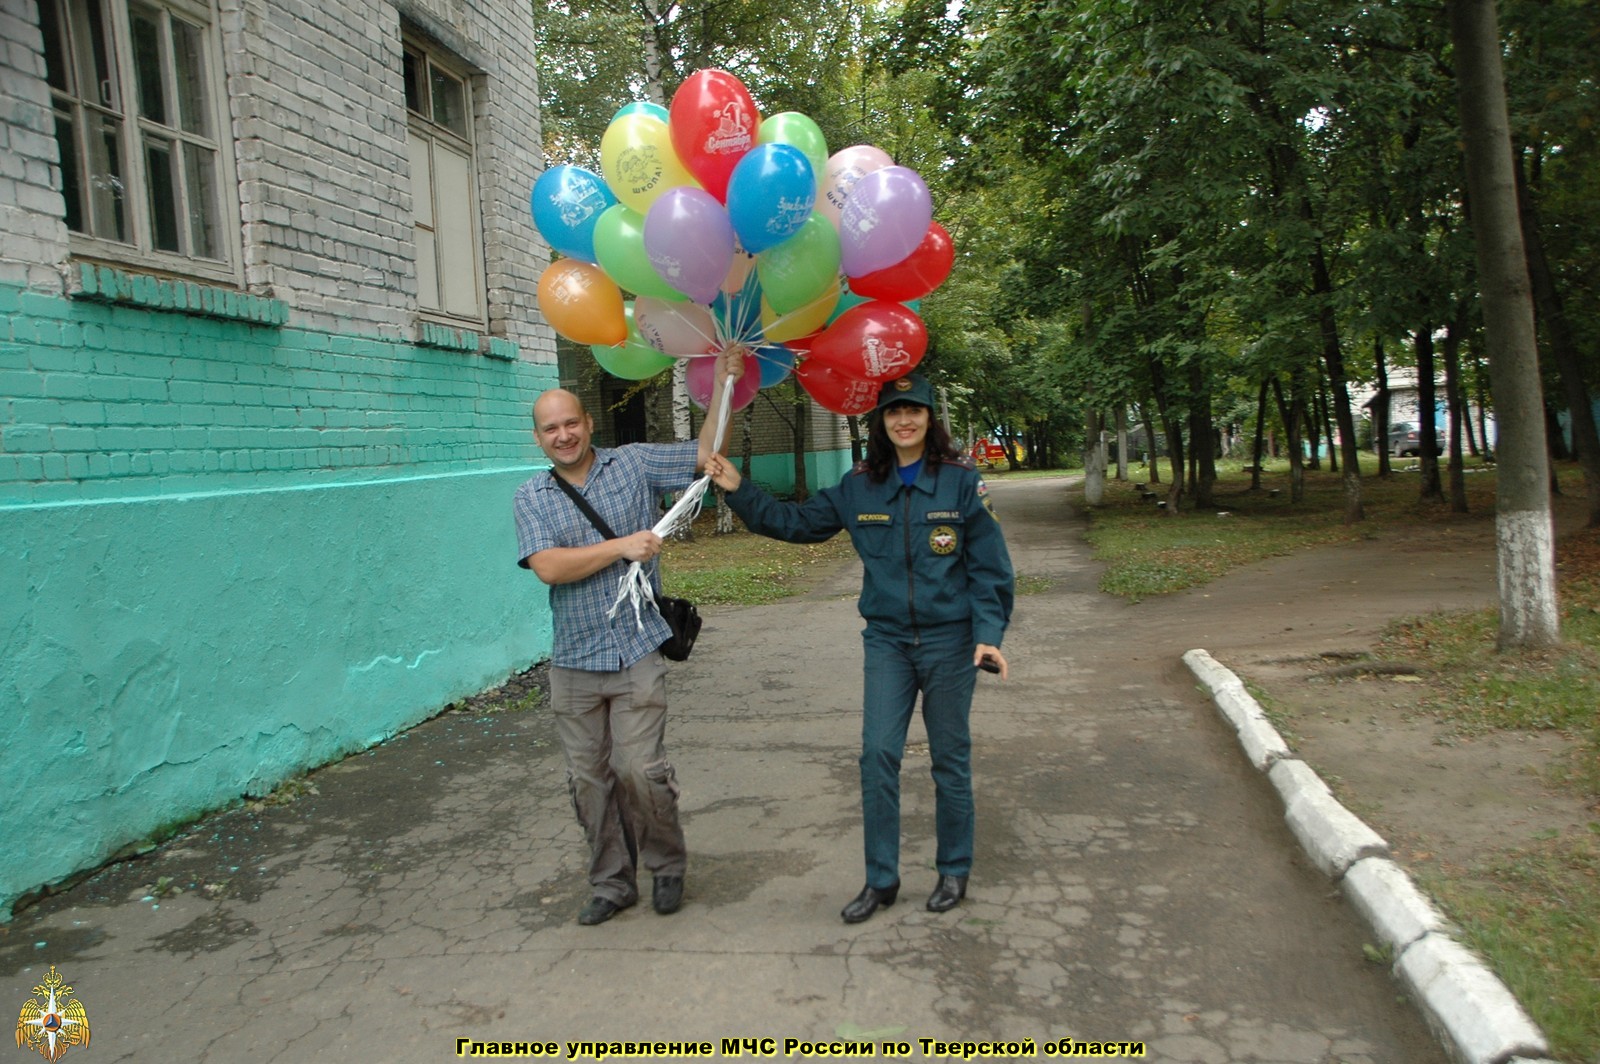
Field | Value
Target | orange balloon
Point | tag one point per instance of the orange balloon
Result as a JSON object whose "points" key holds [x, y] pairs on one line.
{"points": [[581, 303]]}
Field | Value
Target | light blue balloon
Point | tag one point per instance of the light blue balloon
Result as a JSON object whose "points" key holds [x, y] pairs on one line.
{"points": [[770, 195], [567, 202], [641, 107], [776, 361]]}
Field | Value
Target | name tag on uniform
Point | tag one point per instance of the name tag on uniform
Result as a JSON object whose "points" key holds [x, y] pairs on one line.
{"points": [[944, 515], [872, 519]]}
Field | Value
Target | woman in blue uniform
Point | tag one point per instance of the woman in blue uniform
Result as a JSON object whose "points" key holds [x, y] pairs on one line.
{"points": [[936, 596]]}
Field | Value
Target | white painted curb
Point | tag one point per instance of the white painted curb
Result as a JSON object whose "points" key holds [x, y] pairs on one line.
{"points": [[1475, 1016]]}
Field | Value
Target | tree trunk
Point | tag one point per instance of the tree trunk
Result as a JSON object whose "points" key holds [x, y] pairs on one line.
{"points": [[1380, 409], [1427, 419], [1151, 465], [1261, 420], [1524, 536], [1290, 414], [1122, 442], [802, 415], [1094, 459], [1452, 392], [1201, 441], [1569, 362]]}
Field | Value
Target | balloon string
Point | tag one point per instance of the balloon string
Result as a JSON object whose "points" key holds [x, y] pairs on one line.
{"points": [[635, 585]]}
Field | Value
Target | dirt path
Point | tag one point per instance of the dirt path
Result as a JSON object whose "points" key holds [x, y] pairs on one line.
{"points": [[1293, 627]]}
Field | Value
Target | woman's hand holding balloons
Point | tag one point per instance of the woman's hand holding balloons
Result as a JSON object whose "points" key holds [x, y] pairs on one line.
{"points": [[723, 473]]}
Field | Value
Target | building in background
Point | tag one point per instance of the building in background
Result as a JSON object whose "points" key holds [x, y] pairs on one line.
{"points": [[268, 344]]}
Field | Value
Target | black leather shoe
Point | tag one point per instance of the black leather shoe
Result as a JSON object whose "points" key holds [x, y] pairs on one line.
{"points": [[947, 894], [866, 903], [667, 894], [598, 911]]}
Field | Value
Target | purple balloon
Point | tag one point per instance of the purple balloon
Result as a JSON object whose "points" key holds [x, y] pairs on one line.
{"points": [[689, 240], [884, 220]]}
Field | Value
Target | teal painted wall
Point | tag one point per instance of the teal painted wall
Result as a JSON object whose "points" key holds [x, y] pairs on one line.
{"points": [[231, 551], [775, 472]]}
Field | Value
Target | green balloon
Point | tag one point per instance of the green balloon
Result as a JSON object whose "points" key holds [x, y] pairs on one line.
{"points": [[633, 359], [619, 250], [798, 131], [801, 268]]}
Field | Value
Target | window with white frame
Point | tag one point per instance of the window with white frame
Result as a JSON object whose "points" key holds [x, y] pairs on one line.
{"points": [[444, 188], [138, 96]]}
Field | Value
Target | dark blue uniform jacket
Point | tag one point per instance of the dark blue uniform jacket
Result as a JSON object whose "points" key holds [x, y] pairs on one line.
{"points": [[933, 552]]}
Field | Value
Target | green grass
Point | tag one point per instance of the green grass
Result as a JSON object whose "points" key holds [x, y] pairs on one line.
{"points": [[741, 568], [1535, 914], [1151, 552]]}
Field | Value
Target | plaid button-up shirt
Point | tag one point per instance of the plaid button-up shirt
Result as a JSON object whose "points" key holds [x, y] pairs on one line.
{"points": [[624, 486]]}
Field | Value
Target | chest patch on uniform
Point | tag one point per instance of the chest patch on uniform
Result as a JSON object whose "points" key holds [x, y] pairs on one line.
{"points": [[872, 519], [942, 539], [944, 515]]}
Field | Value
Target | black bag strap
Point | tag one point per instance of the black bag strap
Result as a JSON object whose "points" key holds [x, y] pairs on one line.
{"points": [[583, 504]]}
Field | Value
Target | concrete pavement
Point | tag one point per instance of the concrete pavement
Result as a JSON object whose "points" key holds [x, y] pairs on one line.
{"points": [[1135, 878]]}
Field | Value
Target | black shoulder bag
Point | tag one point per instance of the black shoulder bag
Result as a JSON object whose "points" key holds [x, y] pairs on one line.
{"points": [[680, 614]]}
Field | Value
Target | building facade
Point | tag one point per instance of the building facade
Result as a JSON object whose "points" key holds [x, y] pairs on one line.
{"points": [[268, 343]]}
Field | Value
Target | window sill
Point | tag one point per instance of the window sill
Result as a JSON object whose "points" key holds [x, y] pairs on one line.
{"points": [[105, 284], [467, 341]]}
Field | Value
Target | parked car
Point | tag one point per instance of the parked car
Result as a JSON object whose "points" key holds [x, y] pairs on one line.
{"points": [[1404, 441]]}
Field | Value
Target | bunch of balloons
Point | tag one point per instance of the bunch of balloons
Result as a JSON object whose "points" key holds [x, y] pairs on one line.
{"points": [[733, 231]]}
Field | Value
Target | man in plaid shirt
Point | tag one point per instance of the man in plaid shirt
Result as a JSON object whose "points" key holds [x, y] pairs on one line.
{"points": [[607, 679]]}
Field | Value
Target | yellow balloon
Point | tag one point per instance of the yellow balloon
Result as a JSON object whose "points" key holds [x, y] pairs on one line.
{"points": [[581, 303], [802, 321], [638, 162]]}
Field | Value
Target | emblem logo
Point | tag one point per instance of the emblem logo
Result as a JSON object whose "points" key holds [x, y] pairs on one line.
{"points": [[903, 384], [942, 540], [53, 1026]]}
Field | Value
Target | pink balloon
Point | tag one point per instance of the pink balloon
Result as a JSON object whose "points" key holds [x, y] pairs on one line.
{"points": [[700, 376], [689, 240], [682, 330], [884, 220], [846, 167]]}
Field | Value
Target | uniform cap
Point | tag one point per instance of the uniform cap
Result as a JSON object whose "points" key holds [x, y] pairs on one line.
{"points": [[912, 388]]}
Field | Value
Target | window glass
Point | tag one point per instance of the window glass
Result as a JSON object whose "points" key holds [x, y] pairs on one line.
{"points": [[449, 102], [189, 70], [414, 70], [145, 181], [146, 28], [159, 164]]}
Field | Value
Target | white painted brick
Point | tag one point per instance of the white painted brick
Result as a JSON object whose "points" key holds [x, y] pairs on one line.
{"points": [[1390, 902], [1470, 1008]]}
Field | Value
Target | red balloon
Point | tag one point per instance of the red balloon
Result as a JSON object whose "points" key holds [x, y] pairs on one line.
{"points": [[915, 275], [714, 122], [834, 391], [876, 341]]}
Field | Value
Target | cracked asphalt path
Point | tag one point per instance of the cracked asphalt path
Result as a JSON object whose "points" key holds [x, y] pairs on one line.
{"points": [[1134, 877]]}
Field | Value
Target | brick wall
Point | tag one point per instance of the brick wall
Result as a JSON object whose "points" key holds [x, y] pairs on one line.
{"points": [[245, 530]]}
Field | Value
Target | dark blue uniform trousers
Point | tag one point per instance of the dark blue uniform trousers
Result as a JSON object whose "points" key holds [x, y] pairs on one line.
{"points": [[939, 665]]}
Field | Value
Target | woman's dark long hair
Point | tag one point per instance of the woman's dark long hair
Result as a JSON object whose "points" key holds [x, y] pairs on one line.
{"points": [[883, 459]]}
